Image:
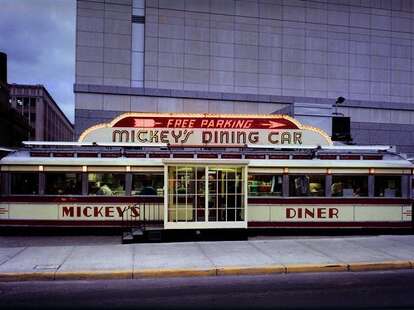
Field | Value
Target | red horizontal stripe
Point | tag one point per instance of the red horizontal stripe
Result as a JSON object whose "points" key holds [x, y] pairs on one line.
{"points": [[364, 200], [105, 223], [52, 223], [330, 224], [81, 199], [159, 199]]}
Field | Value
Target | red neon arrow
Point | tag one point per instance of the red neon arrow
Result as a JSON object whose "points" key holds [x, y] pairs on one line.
{"points": [[142, 122], [273, 124]]}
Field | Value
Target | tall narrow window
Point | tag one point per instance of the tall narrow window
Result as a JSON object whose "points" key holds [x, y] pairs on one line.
{"points": [[137, 56]]}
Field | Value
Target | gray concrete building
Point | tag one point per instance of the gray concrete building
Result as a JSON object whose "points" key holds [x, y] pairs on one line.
{"points": [[249, 56], [37, 106]]}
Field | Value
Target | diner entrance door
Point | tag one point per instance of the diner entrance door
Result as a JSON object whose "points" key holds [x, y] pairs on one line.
{"points": [[200, 196]]}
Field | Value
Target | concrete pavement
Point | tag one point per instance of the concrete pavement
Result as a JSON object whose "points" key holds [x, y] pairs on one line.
{"points": [[206, 258]]}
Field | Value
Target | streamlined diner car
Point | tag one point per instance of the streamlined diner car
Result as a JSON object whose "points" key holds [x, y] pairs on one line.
{"points": [[204, 171]]}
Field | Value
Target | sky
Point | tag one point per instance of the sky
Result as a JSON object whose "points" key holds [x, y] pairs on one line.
{"points": [[38, 37]]}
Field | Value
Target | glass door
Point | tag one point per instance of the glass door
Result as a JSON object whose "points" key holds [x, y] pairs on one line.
{"points": [[205, 197]]}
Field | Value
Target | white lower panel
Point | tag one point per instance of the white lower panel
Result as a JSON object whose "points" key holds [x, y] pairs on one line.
{"points": [[329, 213], [76, 212]]}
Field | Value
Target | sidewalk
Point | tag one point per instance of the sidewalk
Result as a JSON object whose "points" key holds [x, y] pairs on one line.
{"points": [[207, 258]]}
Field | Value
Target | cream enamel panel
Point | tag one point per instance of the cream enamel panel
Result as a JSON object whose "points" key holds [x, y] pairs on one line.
{"points": [[259, 213], [4, 210], [32, 211], [71, 212], [392, 171], [276, 212], [407, 213], [266, 170], [63, 168], [306, 170], [106, 169], [147, 169], [312, 213], [19, 168], [378, 213], [349, 171]]}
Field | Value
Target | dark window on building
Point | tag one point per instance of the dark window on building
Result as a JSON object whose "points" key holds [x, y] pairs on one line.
{"points": [[32, 102], [349, 186], [388, 186], [306, 185], [24, 183], [148, 184], [106, 184], [265, 185]]}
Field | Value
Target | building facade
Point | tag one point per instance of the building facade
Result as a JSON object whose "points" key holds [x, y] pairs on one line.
{"points": [[249, 56], [37, 106], [14, 128]]}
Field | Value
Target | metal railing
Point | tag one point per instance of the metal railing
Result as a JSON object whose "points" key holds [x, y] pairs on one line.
{"points": [[140, 215]]}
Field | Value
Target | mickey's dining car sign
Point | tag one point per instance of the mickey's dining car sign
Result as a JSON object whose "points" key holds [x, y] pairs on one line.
{"points": [[206, 130]]}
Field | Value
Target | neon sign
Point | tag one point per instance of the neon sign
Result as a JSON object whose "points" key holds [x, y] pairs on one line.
{"points": [[207, 130]]}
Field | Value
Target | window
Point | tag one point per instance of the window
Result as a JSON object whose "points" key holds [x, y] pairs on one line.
{"points": [[186, 197], [60, 183], [25, 183], [32, 102], [388, 186], [106, 184], [349, 186], [190, 189], [225, 194], [306, 185], [148, 184], [265, 185]]}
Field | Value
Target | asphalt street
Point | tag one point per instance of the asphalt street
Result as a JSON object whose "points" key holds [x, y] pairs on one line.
{"points": [[367, 290]]}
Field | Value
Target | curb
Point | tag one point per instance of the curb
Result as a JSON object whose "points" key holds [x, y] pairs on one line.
{"points": [[195, 272]]}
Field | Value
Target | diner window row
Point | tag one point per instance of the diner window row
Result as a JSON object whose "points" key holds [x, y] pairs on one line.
{"points": [[93, 183], [259, 185], [319, 185]]}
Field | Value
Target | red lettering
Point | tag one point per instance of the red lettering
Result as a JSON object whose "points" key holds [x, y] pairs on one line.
{"points": [[135, 212], [333, 212], [108, 212], [228, 123], [321, 213], [67, 211], [309, 213], [170, 123], [290, 213], [97, 211], [85, 211], [120, 211]]}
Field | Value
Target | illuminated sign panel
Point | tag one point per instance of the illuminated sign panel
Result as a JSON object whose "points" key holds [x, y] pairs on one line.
{"points": [[207, 130]]}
